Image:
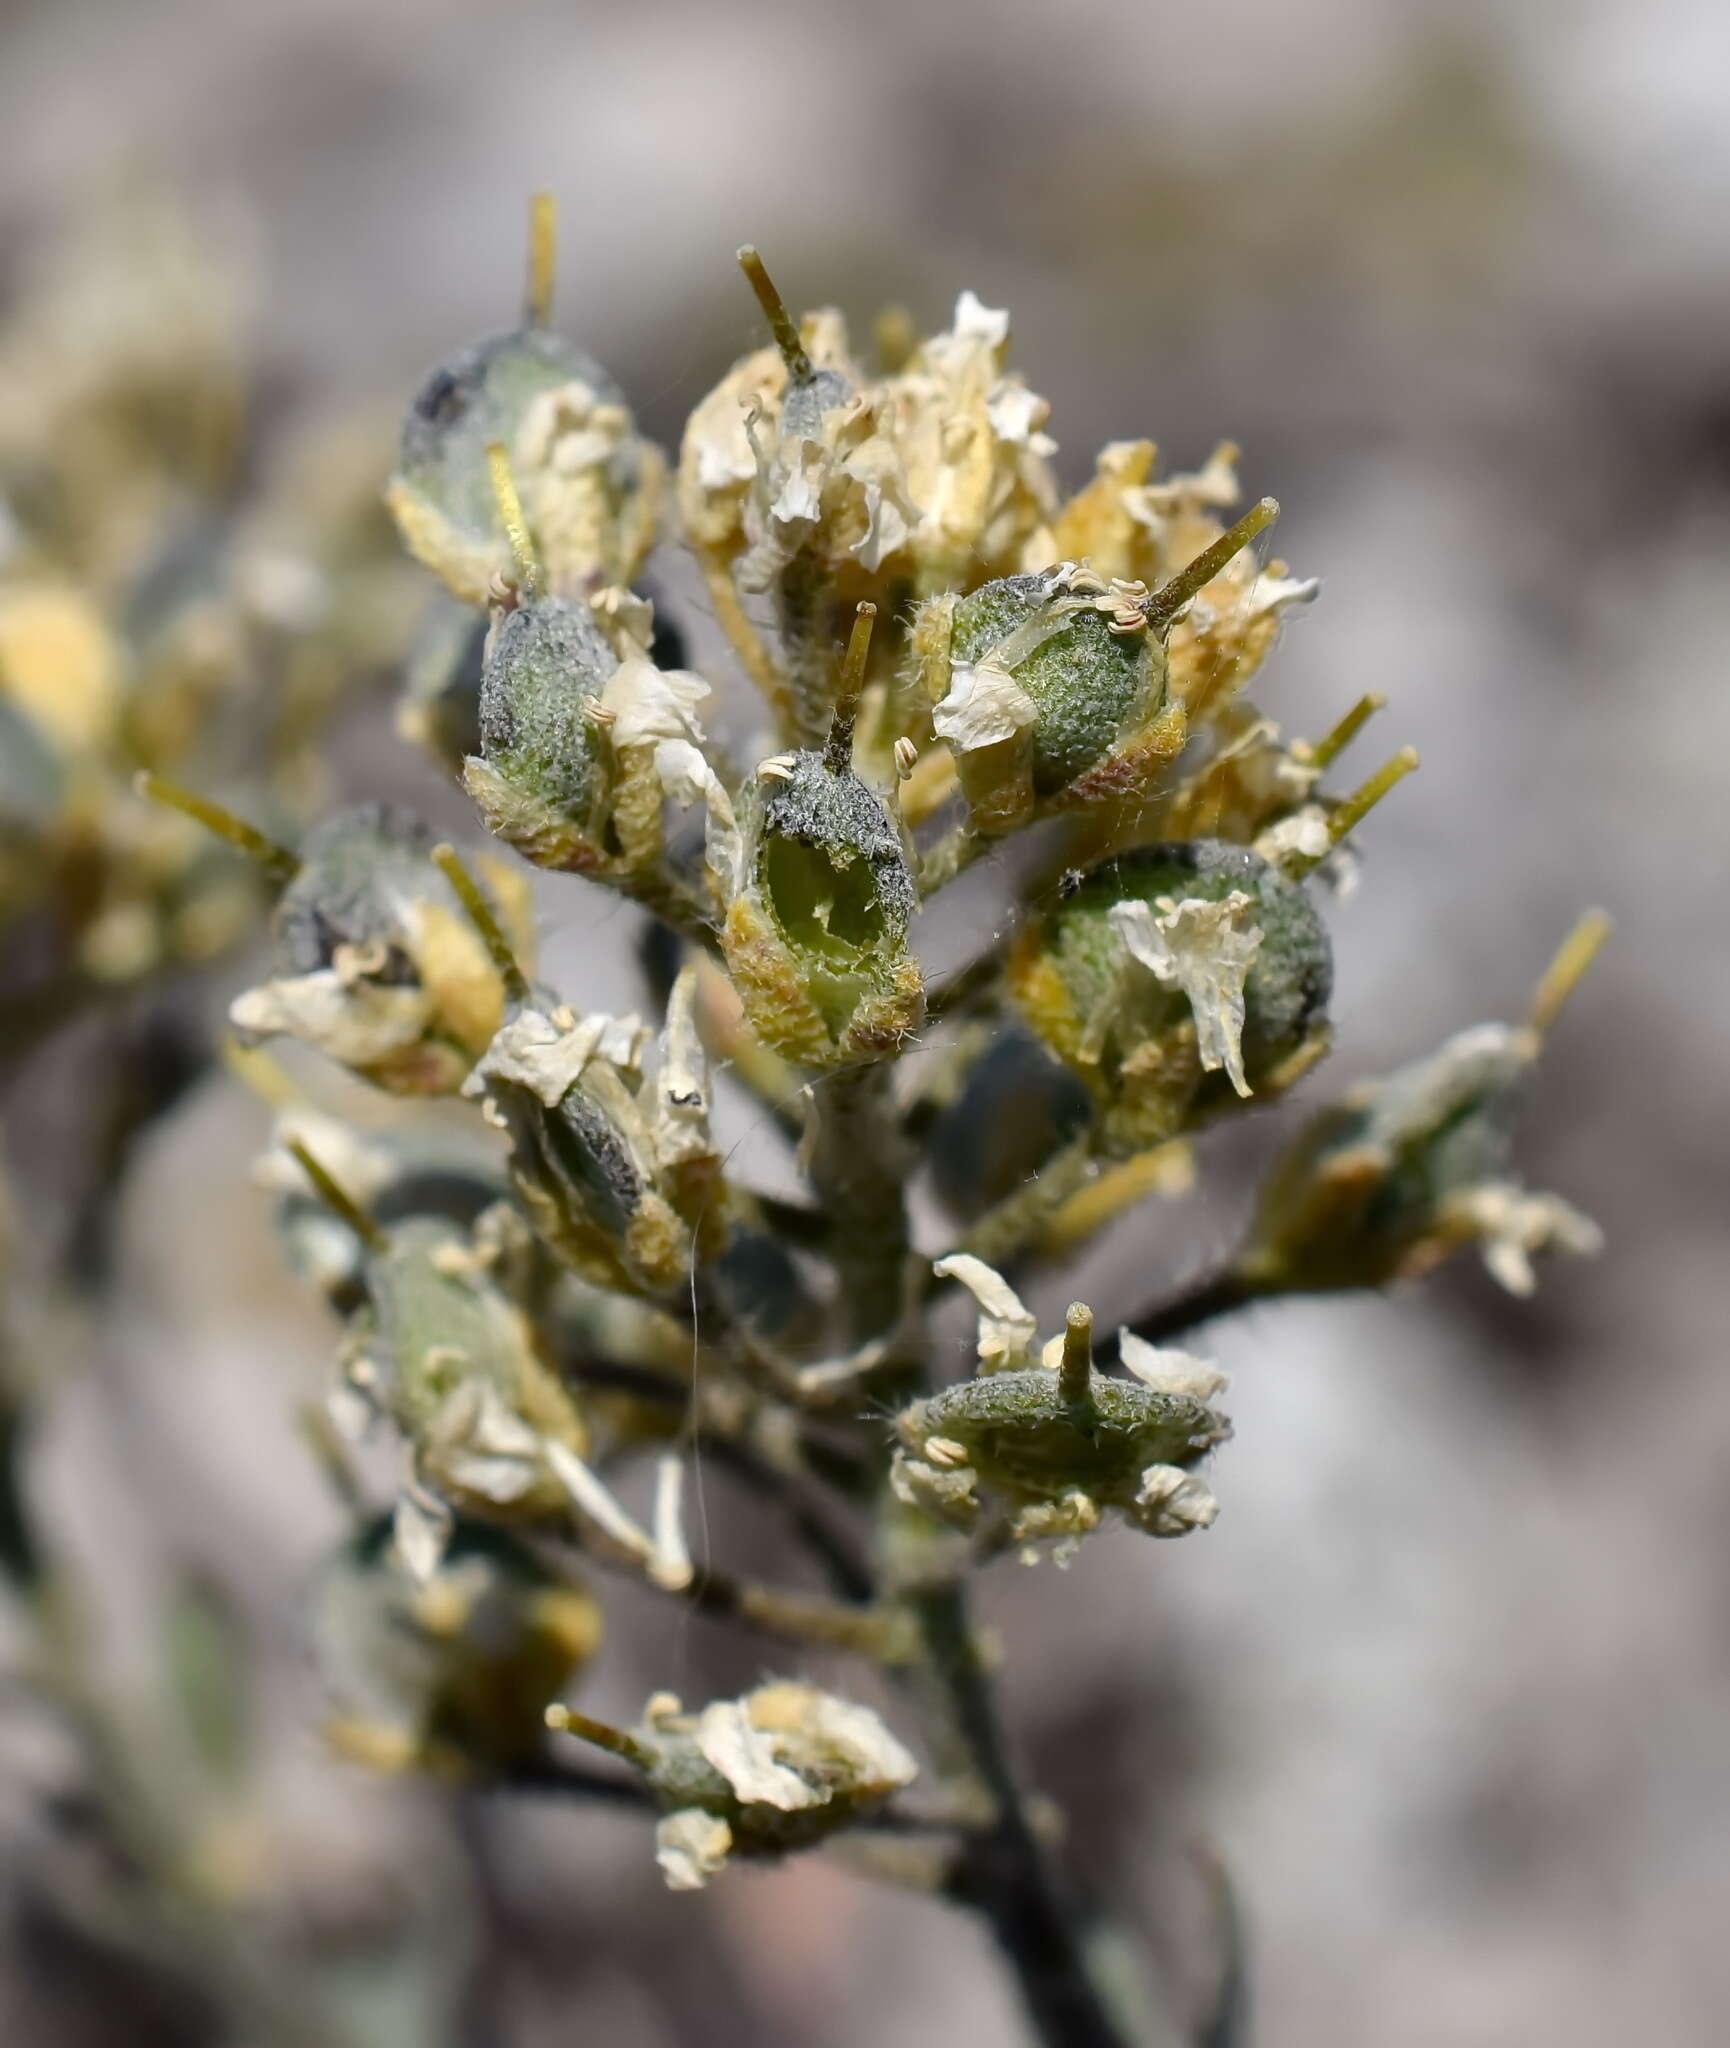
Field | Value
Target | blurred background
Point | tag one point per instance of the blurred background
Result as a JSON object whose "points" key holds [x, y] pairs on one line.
{"points": [[1447, 1690]]}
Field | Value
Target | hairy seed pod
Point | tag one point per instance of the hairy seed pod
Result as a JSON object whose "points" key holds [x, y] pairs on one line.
{"points": [[1057, 1455], [1175, 981], [541, 775]]}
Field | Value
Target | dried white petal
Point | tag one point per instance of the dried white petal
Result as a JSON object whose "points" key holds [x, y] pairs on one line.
{"points": [[1171, 1502], [592, 1498], [1203, 948], [977, 322], [946, 1492], [983, 706], [671, 1568], [857, 1738], [644, 703], [1006, 1326], [1511, 1224], [539, 1053], [691, 1846], [679, 1122], [358, 1023], [421, 1528], [1170, 1372], [1302, 832], [745, 1756]]}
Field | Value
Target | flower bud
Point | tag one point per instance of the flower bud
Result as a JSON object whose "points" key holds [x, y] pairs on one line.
{"points": [[1174, 981], [816, 934], [452, 1670], [377, 964]]}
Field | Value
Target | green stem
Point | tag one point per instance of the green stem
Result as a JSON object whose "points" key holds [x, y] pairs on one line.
{"points": [[858, 1169]]}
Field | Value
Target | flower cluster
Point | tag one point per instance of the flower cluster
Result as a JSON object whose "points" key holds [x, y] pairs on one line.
{"points": [[946, 650]]}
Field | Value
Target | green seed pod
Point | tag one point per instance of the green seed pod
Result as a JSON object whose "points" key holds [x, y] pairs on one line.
{"points": [[775, 1771], [1057, 1448], [1038, 686], [455, 1363], [1170, 978], [377, 963], [454, 1672], [588, 483], [541, 777], [816, 934]]}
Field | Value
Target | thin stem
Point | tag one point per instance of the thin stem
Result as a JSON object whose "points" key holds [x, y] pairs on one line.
{"points": [[1005, 1871], [1319, 754], [1219, 1295], [838, 751]]}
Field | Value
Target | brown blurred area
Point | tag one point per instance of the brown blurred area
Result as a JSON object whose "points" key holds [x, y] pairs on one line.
{"points": [[1447, 1690]]}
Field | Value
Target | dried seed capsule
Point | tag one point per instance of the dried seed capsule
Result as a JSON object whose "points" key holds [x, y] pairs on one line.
{"points": [[1171, 978], [377, 965], [816, 934], [616, 1170], [452, 1672]]}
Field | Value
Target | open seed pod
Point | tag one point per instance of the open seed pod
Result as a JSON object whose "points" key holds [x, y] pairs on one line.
{"points": [[816, 933]]}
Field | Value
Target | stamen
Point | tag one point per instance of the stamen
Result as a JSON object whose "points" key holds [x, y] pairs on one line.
{"points": [[838, 754], [336, 1198], [277, 861], [1166, 602], [543, 260], [480, 914], [511, 515], [1563, 975], [1319, 754], [781, 323]]}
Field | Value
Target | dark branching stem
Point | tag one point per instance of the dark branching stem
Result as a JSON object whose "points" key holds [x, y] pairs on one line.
{"points": [[1005, 1871], [1221, 1294]]}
